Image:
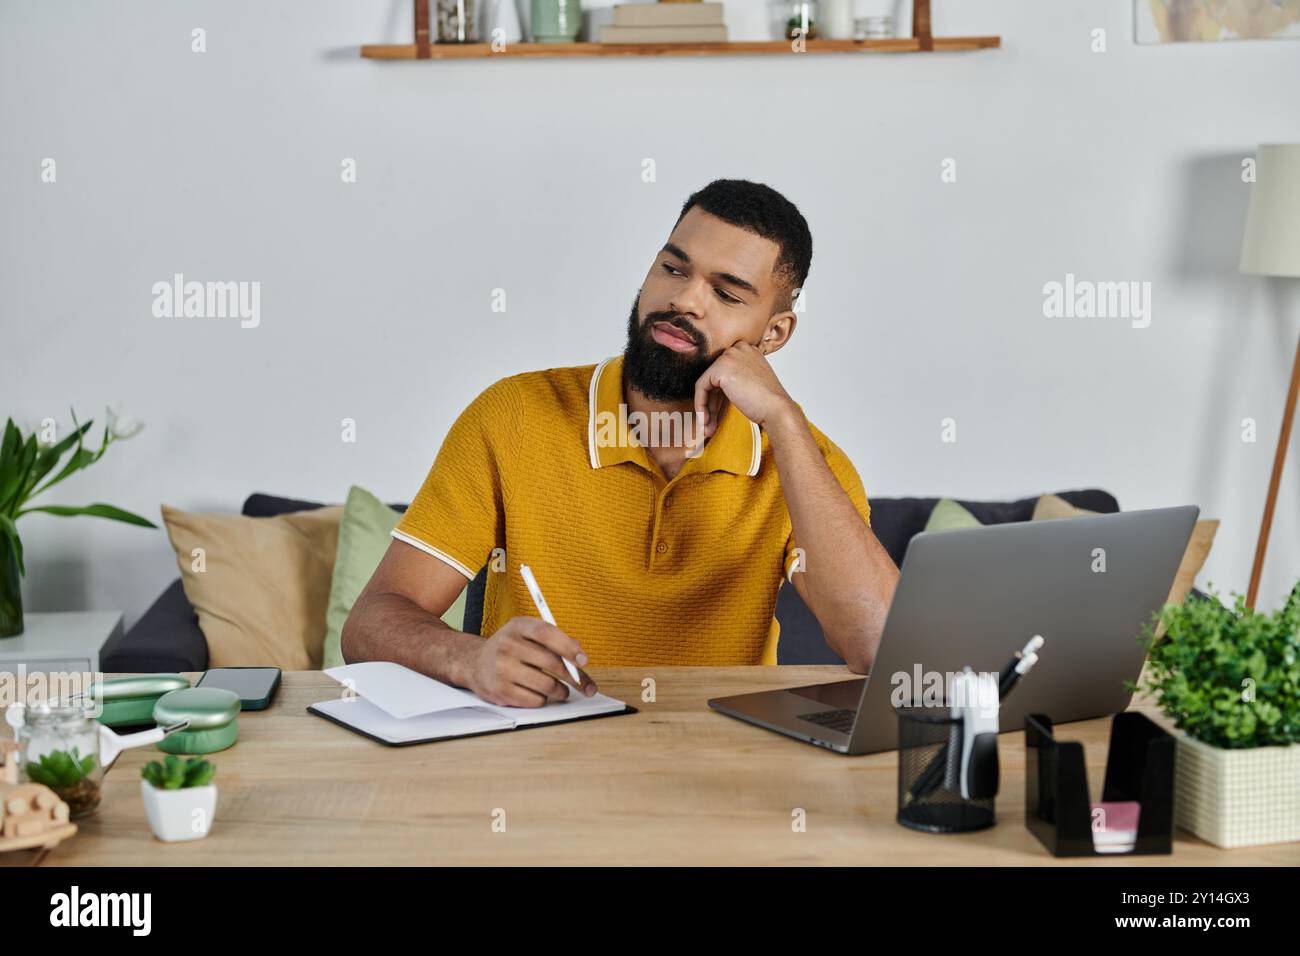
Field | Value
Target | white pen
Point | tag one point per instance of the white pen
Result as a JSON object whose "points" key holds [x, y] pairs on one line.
{"points": [[547, 616]]}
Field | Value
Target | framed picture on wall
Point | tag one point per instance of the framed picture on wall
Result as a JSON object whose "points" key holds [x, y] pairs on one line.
{"points": [[1183, 21]]}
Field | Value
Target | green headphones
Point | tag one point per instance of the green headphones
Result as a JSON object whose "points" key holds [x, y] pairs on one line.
{"points": [[164, 699]]}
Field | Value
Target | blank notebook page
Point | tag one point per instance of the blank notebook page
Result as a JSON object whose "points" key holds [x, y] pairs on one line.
{"points": [[369, 719]]}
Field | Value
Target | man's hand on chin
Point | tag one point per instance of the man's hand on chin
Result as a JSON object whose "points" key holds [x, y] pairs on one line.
{"points": [[743, 376]]}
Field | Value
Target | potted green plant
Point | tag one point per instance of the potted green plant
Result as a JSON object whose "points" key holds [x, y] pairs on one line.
{"points": [[25, 467], [1228, 677], [180, 798], [73, 777]]}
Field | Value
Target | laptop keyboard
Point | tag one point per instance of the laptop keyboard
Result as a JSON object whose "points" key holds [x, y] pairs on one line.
{"points": [[841, 720]]}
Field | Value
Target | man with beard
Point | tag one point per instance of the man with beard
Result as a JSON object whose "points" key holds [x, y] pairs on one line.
{"points": [[649, 553]]}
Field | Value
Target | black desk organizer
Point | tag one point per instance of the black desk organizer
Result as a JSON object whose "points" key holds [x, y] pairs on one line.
{"points": [[1139, 767]]}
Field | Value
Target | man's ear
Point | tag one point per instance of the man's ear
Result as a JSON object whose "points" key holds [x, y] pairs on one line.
{"points": [[780, 328]]}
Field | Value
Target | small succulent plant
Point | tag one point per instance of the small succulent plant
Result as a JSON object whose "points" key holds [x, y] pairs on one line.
{"points": [[71, 776], [175, 774], [61, 769]]}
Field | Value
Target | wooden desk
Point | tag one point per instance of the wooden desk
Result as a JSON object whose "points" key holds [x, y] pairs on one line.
{"points": [[675, 784]]}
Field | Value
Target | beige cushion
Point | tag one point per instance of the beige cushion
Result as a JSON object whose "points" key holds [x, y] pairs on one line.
{"points": [[264, 585], [1198, 548]]}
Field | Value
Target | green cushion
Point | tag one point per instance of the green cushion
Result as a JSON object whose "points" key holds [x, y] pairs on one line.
{"points": [[364, 533], [947, 515]]}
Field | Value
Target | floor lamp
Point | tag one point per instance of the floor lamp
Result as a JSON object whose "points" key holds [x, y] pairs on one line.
{"points": [[1271, 247]]}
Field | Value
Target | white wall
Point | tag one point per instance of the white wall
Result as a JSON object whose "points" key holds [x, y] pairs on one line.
{"points": [[925, 299]]}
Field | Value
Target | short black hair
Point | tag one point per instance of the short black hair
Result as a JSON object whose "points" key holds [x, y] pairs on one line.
{"points": [[765, 212]]}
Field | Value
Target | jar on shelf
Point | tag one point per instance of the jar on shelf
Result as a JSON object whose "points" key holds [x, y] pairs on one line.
{"points": [[801, 19], [455, 21], [836, 19], [874, 28], [60, 746], [556, 21]]}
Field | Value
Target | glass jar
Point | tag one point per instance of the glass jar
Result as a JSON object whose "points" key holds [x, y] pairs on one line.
{"points": [[455, 21], [61, 750], [801, 20], [873, 28]]}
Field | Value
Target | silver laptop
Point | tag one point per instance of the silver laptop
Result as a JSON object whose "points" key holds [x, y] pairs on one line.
{"points": [[972, 597]]}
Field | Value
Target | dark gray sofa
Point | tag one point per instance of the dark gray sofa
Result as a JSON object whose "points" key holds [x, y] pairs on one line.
{"points": [[167, 637]]}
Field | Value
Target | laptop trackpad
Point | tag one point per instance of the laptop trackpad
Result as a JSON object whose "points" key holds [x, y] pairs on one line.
{"points": [[841, 695]]}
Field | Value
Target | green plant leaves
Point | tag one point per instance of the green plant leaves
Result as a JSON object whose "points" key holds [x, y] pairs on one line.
{"points": [[16, 469], [1228, 675], [98, 510], [47, 458], [152, 772], [10, 533], [173, 774], [23, 464], [199, 773], [9, 456], [61, 769]]}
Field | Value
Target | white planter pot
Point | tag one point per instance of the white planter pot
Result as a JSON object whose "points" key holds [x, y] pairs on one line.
{"points": [[184, 814], [1237, 798]]}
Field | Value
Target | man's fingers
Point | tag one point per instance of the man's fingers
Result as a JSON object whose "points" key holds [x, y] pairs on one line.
{"points": [[717, 403], [540, 656], [515, 695], [704, 386], [559, 691], [550, 636], [546, 639], [543, 658], [528, 678]]}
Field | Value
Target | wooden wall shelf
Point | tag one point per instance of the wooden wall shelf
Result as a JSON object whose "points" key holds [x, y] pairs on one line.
{"points": [[423, 48], [483, 51]]}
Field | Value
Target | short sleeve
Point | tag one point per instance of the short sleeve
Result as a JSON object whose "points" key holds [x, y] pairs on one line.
{"points": [[847, 476], [458, 515]]}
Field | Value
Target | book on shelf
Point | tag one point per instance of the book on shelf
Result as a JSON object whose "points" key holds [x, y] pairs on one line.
{"points": [[667, 14], [688, 34]]}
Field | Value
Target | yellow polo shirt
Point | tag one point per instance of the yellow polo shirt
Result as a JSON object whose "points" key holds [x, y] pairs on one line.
{"points": [[541, 470]]}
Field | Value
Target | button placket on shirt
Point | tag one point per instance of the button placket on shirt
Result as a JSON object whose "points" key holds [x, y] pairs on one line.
{"points": [[660, 547]]}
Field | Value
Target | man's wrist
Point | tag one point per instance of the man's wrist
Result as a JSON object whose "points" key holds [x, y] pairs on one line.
{"points": [[786, 420], [452, 653]]}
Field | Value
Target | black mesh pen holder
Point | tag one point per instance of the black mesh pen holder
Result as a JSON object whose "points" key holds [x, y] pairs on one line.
{"points": [[929, 775]]}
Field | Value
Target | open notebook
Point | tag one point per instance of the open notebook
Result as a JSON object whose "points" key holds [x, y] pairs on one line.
{"points": [[396, 705]]}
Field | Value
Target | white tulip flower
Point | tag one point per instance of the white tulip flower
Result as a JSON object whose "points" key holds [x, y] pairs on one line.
{"points": [[122, 424]]}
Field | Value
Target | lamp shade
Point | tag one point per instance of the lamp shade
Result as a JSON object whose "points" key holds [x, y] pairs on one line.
{"points": [[1271, 243]]}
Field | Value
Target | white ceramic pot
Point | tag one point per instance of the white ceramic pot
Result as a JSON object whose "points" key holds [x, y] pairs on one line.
{"points": [[835, 19], [1237, 798], [184, 814], [501, 15]]}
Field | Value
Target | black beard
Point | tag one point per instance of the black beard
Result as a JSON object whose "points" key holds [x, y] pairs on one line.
{"points": [[656, 371]]}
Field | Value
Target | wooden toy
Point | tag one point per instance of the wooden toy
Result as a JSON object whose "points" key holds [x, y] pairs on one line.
{"points": [[31, 814]]}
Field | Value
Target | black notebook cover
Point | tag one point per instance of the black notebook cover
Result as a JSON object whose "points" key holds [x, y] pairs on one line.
{"points": [[311, 709]]}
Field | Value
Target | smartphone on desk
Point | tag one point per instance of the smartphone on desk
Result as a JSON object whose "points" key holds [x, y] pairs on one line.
{"points": [[256, 686]]}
